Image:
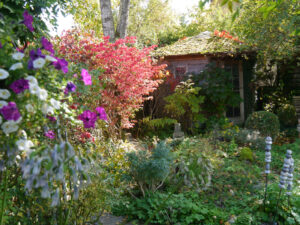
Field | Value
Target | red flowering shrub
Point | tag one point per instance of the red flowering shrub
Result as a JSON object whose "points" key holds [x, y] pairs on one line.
{"points": [[226, 34], [129, 76]]}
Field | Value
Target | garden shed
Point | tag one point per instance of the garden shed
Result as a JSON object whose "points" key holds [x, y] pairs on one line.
{"points": [[191, 55]]}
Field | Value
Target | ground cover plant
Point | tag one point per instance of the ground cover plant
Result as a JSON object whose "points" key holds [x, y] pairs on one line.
{"points": [[235, 195], [66, 104]]}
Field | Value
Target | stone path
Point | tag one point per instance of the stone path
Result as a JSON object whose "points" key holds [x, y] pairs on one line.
{"points": [[108, 219]]}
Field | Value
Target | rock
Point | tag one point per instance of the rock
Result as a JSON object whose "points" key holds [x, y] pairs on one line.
{"points": [[177, 131]]}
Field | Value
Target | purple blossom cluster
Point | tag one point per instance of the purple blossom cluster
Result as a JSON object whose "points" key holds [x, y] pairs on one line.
{"points": [[50, 134], [89, 118], [19, 86], [10, 111], [51, 118], [71, 87], [61, 64], [101, 113], [47, 45], [33, 56], [28, 19]]}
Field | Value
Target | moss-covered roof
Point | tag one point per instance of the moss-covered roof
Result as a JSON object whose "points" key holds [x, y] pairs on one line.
{"points": [[205, 44]]}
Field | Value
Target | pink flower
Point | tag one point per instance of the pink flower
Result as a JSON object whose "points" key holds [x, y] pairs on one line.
{"points": [[86, 77], [50, 134], [89, 119], [101, 113]]}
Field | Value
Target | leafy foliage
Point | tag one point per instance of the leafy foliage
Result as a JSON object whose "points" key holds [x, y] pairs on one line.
{"points": [[170, 209], [287, 115], [216, 85], [193, 164], [11, 11], [129, 73], [266, 123], [149, 170], [184, 105]]}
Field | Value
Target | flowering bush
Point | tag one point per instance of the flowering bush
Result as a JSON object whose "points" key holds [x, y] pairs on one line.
{"points": [[226, 34], [129, 74], [35, 119]]}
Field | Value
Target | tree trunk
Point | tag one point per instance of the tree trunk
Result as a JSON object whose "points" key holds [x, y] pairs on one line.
{"points": [[123, 19], [107, 19]]}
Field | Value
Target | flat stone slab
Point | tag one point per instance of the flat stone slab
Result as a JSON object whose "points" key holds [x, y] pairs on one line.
{"points": [[108, 219]]}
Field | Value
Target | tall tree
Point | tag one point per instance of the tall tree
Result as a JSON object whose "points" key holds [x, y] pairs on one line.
{"points": [[108, 19], [123, 19], [145, 19]]}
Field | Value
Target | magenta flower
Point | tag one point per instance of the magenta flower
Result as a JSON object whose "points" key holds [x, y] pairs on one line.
{"points": [[19, 86], [71, 87], [86, 77], [89, 118], [28, 19], [10, 111], [51, 118], [50, 134], [47, 45], [61, 64], [101, 113]]}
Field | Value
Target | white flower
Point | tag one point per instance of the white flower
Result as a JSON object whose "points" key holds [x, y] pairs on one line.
{"points": [[34, 89], [29, 108], [4, 93], [3, 74], [18, 55], [9, 127], [0, 119], [50, 58], [16, 66], [32, 80], [38, 63], [3, 103], [24, 145], [42, 94], [19, 120], [47, 109], [55, 103]]}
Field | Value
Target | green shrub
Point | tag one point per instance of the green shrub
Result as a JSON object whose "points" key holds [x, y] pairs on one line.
{"points": [[217, 87], [163, 208], [287, 115], [184, 105], [192, 165], [249, 138], [266, 123], [246, 154], [149, 169]]}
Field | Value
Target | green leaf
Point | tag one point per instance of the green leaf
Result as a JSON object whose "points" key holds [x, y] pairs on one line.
{"points": [[235, 15], [224, 2], [230, 6]]}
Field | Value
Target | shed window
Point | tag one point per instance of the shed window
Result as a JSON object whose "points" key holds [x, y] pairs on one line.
{"points": [[180, 70], [233, 68]]}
